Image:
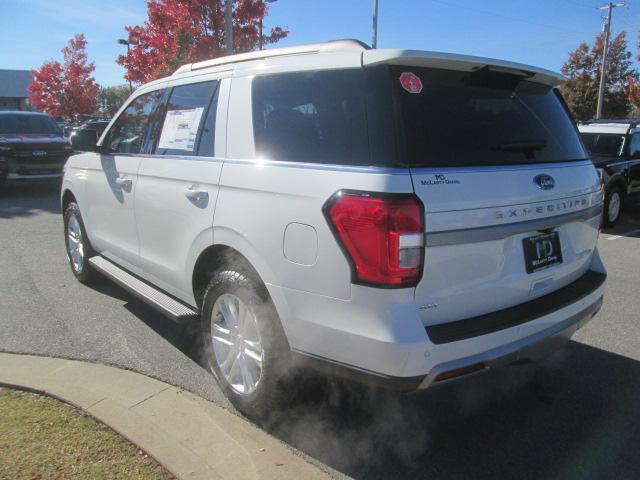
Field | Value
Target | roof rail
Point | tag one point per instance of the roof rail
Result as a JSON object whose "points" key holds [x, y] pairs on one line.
{"points": [[330, 46]]}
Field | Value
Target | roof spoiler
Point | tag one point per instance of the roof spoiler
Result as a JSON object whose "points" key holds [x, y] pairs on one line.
{"points": [[451, 61], [632, 122]]}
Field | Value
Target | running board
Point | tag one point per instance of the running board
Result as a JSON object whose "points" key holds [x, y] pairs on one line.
{"points": [[175, 310]]}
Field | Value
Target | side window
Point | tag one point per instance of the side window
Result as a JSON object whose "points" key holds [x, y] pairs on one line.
{"points": [[130, 129], [189, 120], [634, 148], [311, 117]]}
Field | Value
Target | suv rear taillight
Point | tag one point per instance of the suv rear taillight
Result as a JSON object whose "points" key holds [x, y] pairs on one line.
{"points": [[381, 234]]}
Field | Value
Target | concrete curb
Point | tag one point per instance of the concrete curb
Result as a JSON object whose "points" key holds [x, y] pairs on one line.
{"points": [[189, 436]]}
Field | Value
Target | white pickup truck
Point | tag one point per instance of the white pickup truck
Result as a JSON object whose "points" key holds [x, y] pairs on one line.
{"points": [[401, 217]]}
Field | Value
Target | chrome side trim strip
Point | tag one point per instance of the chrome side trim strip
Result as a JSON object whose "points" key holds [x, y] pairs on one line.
{"points": [[498, 232], [498, 168], [319, 166], [35, 176]]}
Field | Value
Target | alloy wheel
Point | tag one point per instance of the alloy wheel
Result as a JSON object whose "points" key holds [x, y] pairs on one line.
{"points": [[237, 345], [75, 243], [614, 207]]}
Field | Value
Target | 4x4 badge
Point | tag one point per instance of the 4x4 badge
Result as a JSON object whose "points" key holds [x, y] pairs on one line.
{"points": [[544, 181]]}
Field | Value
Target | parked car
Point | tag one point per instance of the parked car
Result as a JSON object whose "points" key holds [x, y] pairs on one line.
{"points": [[614, 147], [401, 217], [78, 122], [95, 126], [32, 147]]}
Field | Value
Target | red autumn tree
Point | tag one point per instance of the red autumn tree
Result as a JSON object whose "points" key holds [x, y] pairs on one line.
{"points": [[45, 92], [185, 31], [66, 90], [583, 69]]}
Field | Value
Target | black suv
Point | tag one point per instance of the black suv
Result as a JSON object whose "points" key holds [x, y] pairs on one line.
{"points": [[32, 147], [614, 146]]}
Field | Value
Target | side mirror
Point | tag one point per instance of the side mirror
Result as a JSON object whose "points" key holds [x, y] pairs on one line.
{"points": [[85, 140]]}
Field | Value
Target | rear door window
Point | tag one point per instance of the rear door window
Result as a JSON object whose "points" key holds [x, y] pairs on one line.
{"points": [[452, 118], [188, 127], [314, 117]]}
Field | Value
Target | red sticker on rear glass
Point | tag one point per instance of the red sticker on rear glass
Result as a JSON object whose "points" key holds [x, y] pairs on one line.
{"points": [[411, 82]]}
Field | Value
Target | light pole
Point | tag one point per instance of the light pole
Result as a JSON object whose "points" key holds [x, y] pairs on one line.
{"points": [[603, 68], [123, 41], [228, 24], [374, 39], [260, 42]]}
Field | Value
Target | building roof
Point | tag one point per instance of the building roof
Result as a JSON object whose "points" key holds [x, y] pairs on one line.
{"points": [[14, 83]]}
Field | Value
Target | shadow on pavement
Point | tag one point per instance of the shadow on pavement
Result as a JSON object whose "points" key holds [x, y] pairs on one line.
{"points": [[576, 416], [182, 337], [24, 200]]}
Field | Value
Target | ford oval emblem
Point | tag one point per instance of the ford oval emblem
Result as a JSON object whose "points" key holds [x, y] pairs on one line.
{"points": [[544, 181]]}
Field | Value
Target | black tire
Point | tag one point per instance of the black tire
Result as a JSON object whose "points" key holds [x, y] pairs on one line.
{"points": [[609, 219], [270, 390], [83, 272]]}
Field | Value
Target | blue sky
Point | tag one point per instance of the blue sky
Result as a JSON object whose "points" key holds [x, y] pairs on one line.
{"points": [[538, 32]]}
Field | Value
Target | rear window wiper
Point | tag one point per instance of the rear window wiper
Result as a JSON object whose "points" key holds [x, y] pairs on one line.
{"points": [[527, 147]]}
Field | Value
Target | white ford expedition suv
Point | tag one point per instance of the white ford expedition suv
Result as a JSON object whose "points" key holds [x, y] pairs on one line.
{"points": [[403, 217]]}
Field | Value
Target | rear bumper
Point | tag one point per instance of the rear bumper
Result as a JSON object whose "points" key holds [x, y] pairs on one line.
{"points": [[532, 348], [519, 314], [520, 334], [529, 349]]}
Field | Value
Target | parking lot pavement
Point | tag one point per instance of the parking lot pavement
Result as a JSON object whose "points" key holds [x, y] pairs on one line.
{"points": [[574, 416]]}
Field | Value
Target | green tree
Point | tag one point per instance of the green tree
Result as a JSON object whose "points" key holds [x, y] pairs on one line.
{"points": [[111, 98], [583, 70]]}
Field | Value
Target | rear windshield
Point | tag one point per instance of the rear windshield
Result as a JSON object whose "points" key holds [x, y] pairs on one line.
{"points": [[28, 124], [603, 144], [451, 118]]}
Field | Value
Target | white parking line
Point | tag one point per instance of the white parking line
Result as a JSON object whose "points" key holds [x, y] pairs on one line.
{"points": [[626, 234]]}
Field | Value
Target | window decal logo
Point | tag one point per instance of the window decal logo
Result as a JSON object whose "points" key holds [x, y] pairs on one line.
{"points": [[440, 179], [411, 82]]}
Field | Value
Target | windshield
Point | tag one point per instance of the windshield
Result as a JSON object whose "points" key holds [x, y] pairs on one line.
{"points": [[485, 117], [603, 144], [28, 124]]}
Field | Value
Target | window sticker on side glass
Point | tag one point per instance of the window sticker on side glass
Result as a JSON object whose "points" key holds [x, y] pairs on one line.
{"points": [[180, 129], [411, 82]]}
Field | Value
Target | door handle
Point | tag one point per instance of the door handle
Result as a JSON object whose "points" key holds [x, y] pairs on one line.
{"points": [[124, 182], [192, 194]]}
